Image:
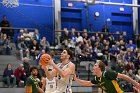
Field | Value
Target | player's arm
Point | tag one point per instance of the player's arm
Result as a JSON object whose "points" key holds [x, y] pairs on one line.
{"points": [[100, 90], [66, 72], [28, 89], [127, 78], [44, 84], [137, 90], [49, 74], [83, 82], [40, 90]]}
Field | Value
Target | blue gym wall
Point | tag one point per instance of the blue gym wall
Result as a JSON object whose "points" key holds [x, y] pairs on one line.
{"points": [[84, 16], [79, 16], [40, 17]]}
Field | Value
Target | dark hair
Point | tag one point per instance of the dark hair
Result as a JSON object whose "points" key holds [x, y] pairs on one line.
{"points": [[32, 68], [8, 65], [69, 53], [101, 65]]}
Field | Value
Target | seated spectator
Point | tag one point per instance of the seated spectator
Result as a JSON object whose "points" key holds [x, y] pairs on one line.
{"points": [[105, 42], [39, 55], [105, 52], [20, 75], [21, 31], [8, 76], [1, 44], [78, 52], [79, 38], [121, 38], [93, 41], [66, 37], [37, 36], [70, 44], [120, 68], [102, 37], [88, 52], [85, 37], [73, 37], [34, 49], [113, 55], [135, 59], [122, 45], [129, 55], [131, 45], [22, 47], [26, 65], [27, 37], [18, 37], [97, 48], [120, 56], [111, 40], [137, 63], [135, 52], [129, 86], [129, 65], [117, 46], [7, 45], [138, 75], [45, 45]]}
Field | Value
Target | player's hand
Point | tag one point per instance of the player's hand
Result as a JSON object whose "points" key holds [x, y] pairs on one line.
{"points": [[74, 76], [50, 61], [138, 86], [138, 91], [12, 75]]}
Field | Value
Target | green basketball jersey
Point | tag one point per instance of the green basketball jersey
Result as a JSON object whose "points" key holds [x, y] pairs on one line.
{"points": [[31, 81], [108, 82]]}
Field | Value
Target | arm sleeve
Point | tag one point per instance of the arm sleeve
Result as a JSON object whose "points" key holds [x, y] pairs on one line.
{"points": [[111, 75]]}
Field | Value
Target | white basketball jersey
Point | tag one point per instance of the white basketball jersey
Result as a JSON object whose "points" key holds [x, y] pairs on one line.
{"points": [[63, 83], [50, 85]]}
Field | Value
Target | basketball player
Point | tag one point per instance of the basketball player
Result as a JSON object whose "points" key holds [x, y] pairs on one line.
{"points": [[107, 79], [32, 85], [63, 72], [49, 85]]}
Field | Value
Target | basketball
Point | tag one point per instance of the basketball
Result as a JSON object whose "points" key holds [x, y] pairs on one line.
{"points": [[44, 58]]}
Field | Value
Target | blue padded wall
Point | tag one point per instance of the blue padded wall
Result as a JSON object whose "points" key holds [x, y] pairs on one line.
{"points": [[29, 16], [119, 20], [79, 16]]}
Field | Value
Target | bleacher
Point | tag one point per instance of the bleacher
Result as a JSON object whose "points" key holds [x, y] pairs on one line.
{"points": [[4, 59], [82, 72]]}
